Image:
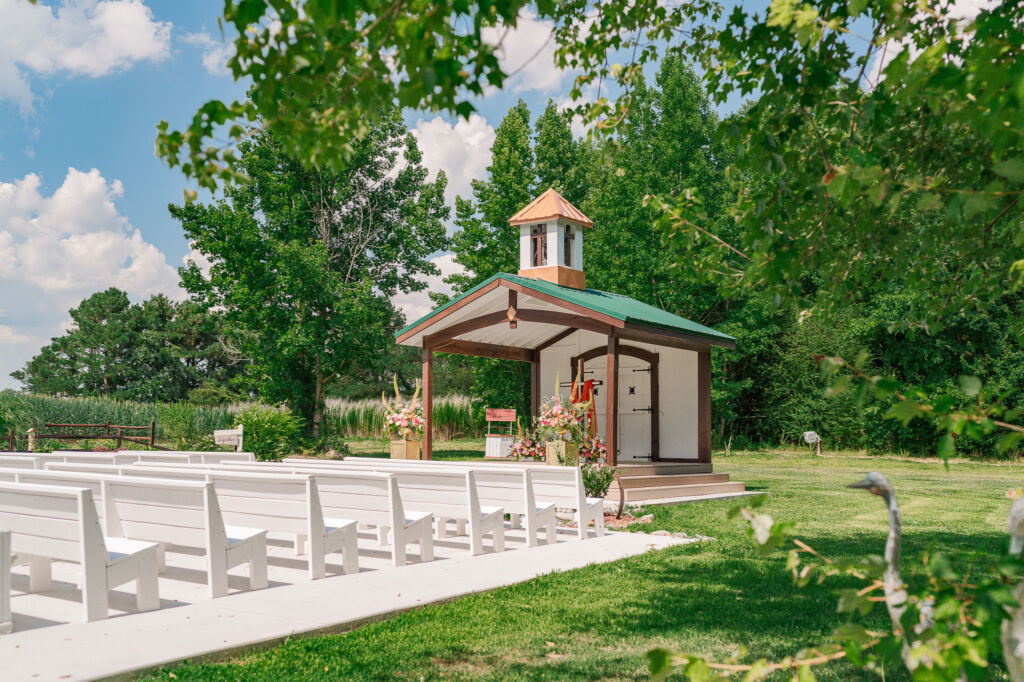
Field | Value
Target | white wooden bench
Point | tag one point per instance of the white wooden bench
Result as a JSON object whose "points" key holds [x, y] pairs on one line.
{"points": [[343, 499], [510, 488], [185, 513], [196, 456], [370, 498], [6, 619], [281, 503], [91, 481], [558, 485], [20, 462], [51, 523], [447, 494]]}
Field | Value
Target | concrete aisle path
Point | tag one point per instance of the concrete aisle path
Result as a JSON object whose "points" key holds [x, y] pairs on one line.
{"points": [[120, 645]]}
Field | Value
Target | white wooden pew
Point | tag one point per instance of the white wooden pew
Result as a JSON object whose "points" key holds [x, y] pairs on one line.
{"points": [[6, 620], [185, 513], [367, 497], [281, 503], [558, 485], [510, 488], [448, 495], [92, 482], [51, 523], [199, 456], [194, 522], [20, 462]]}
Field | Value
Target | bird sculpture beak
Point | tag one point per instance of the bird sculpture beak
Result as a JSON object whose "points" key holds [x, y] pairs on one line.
{"points": [[863, 485]]}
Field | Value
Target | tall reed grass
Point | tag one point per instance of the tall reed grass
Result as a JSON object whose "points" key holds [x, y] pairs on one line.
{"points": [[453, 418], [27, 411]]}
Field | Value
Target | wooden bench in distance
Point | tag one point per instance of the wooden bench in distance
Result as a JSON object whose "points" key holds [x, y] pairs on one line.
{"points": [[447, 494], [558, 485], [281, 503], [367, 497], [51, 523], [510, 488], [20, 461]]}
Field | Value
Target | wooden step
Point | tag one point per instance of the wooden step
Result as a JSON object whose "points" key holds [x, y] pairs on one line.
{"points": [[660, 468], [633, 481], [670, 491]]}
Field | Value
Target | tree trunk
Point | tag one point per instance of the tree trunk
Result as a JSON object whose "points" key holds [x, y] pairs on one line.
{"points": [[318, 399]]}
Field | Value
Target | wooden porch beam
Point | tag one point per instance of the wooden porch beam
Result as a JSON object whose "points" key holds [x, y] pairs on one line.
{"points": [[611, 400], [484, 350], [428, 403], [535, 384], [704, 407], [554, 317], [448, 311], [565, 333]]}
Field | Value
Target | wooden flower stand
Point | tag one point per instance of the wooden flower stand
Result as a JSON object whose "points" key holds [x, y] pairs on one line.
{"points": [[406, 449], [562, 452]]}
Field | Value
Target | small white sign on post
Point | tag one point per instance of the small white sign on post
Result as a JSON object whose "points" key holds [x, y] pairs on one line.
{"points": [[229, 437], [812, 438]]}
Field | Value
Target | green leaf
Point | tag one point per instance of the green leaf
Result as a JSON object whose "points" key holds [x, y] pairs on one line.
{"points": [[1011, 169]]}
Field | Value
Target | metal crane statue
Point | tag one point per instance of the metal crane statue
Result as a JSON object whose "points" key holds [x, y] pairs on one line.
{"points": [[1013, 628], [895, 594]]}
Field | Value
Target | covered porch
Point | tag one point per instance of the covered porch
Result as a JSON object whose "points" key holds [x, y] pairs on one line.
{"points": [[651, 369]]}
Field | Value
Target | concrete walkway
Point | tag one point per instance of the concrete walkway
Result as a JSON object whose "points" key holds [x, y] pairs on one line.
{"points": [[201, 627]]}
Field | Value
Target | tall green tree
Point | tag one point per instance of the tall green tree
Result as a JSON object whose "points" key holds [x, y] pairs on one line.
{"points": [[154, 350], [305, 260]]}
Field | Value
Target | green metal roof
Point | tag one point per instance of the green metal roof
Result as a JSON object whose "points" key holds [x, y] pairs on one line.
{"points": [[620, 307]]}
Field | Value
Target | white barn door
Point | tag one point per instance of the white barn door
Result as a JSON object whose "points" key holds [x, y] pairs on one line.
{"points": [[634, 424]]}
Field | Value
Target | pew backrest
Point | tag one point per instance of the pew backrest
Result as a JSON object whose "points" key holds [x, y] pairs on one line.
{"points": [[177, 512], [51, 521], [20, 462]]}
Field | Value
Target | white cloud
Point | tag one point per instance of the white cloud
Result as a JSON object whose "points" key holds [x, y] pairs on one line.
{"points": [[417, 304], [57, 249], [215, 52], [963, 11], [462, 151], [527, 52], [78, 38]]}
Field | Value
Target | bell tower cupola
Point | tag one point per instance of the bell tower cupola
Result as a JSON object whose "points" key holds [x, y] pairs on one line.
{"points": [[551, 240]]}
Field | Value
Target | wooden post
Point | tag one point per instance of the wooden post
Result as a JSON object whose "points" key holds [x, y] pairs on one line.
{"points": [[535, 385], [704, 406], [611, 400], [120, 437], [655, 412], [152, 433], [10, 440], [428, 402], [106, 432]]}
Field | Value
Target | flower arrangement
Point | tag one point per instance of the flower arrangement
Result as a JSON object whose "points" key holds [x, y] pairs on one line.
{"points": [[403, 419], [557, 419], [593, 450], [527, 445]]}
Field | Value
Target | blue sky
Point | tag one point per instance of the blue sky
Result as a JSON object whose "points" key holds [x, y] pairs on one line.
{"points": [[83, 199]]}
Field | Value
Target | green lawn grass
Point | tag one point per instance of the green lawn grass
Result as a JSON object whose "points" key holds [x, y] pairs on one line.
{"points": [[714, 597]]}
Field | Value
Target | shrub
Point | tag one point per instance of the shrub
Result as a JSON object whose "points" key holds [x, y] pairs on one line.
{"points": [[211, 394], [271, 433], [179, 425], [597, 478], [14, 413]]}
